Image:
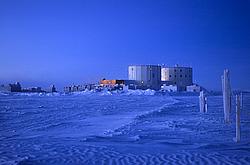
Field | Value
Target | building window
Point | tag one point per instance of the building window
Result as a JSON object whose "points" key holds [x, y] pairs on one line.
{"points": [[181, 70], [175, 70], [180, 75], [170, 76], [185, 75], [174, 75]]}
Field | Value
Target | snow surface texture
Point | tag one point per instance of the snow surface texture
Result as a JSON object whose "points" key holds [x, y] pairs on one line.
{"points": [[128, 128]]}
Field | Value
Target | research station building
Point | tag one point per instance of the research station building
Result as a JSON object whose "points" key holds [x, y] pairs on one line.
{"points": [[179, 76], [145, 76]]}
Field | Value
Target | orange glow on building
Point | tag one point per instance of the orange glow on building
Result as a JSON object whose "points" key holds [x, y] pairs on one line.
{"points": [[111, 82]]}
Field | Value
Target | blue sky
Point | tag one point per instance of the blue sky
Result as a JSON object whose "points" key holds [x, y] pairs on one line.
{"points": [[63, 42]]}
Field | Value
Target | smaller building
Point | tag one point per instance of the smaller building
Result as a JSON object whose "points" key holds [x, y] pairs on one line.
{"points": [[33, 90], [112, 84], [169, 88], [133, 84], [79, 88], [15, 87], [4, 88], [51, 89], [105, 82], [74, 88], [194, 88]]}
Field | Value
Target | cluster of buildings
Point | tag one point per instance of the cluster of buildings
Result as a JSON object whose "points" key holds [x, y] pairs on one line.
{"points": [[16, 87], [154, 77]]}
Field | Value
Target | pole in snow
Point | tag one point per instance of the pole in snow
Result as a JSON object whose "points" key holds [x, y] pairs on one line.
{"points": [[241, 100], [226, 89], [238, 106], [206, 104], [203, 102]]}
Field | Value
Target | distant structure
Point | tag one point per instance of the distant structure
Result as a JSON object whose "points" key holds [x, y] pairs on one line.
{"points": [[79, 88], [179, 76], [105, 82], [194, 88], [169, 88], [52, 89], [155, 77], [171, 79], [4, 88], [112, 84], [16, 87], [74, 88], [33, 90], [145, 76]]}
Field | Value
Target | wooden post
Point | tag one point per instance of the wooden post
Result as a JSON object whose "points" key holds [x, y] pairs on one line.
{"points": [[226, 95], [238, 102]]}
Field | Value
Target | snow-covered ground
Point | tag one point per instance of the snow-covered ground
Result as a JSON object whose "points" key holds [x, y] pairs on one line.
{"points": [[135, 127]]}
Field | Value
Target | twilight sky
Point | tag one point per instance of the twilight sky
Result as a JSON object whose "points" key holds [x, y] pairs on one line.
{"points": [[64, 42]]}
